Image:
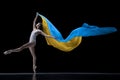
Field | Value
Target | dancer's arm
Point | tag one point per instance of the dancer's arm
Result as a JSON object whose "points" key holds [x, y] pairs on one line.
{"points": [[42, 33], [35, 21]]}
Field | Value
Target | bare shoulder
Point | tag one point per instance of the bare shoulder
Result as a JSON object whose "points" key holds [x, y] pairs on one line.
{"points": [[39, 30]]}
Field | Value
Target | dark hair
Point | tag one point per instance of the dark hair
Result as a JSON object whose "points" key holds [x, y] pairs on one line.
{"points": [[40, 25]]}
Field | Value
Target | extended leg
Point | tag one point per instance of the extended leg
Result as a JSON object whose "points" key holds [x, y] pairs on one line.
{"points": [[18, 49], [32, 50]]}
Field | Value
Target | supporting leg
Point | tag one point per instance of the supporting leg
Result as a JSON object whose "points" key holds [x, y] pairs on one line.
{"points": [[32, 50]]}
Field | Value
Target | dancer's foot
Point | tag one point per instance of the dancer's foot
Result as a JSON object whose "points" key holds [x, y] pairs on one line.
{"points": [[34, 68], [8, 52]]}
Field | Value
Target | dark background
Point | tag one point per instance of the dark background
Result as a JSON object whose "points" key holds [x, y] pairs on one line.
{"points": [[94, 54]]}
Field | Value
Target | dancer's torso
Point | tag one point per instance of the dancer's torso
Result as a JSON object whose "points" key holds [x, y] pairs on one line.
{"points": [[33, 35]]}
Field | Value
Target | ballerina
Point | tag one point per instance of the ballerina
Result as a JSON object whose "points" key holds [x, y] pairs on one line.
{"points": [[32, 42]]}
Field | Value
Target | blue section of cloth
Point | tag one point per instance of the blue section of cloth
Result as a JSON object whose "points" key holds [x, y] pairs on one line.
{"points": [[85, 30]]}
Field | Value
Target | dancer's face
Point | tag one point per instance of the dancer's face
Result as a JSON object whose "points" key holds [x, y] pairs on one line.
{"points": [[38, 25]]}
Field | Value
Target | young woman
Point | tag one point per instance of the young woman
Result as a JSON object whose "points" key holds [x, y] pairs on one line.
{"points": [[32, 42]]}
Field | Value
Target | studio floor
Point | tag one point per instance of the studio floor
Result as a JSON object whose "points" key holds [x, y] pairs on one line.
{"points": [[59, 76]]}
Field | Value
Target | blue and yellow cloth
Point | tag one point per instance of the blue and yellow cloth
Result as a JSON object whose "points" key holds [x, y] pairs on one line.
{"points": [[75, 37]]}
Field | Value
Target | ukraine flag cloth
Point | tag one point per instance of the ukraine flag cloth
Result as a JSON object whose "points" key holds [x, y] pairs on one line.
{"points": [[75, 37]]}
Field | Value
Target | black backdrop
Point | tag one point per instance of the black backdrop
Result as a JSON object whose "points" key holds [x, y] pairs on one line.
{"points": [[94, 54]]}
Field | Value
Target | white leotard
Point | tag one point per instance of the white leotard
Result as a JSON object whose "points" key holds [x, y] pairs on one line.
{"points": [[33, 35]]}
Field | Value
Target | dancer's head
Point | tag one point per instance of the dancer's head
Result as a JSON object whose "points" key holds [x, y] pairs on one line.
{"points": [[38, 25]]}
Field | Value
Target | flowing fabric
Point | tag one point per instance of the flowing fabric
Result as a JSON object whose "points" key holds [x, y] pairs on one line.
{"points": [[75, 37]]}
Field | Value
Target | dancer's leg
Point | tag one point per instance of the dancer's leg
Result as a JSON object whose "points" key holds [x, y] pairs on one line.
{"points": [[19, 49], [32, 50]]}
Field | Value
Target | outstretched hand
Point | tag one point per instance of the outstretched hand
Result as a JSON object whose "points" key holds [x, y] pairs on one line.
{"points": [[37, 13]]}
